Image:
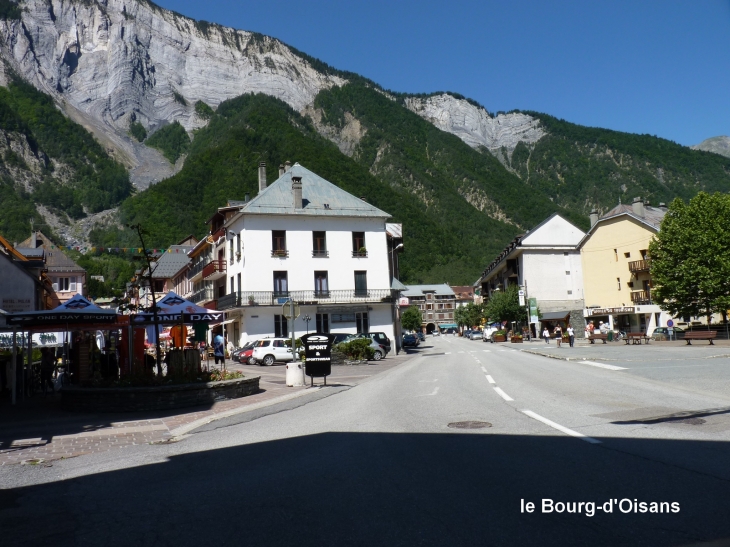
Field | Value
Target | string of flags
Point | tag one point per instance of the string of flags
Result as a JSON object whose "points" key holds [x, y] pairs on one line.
{"points": [[120, 250]]}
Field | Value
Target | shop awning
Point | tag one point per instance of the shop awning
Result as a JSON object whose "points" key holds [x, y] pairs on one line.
{"points": [[447, 325], [76, 311], [174, 309], [554, 315]]}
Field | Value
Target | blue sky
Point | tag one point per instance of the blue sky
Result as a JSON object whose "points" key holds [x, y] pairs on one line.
{"points": [[656, 67]]}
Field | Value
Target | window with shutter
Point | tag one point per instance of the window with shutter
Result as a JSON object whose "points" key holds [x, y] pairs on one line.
{"points": [[72, 284]]}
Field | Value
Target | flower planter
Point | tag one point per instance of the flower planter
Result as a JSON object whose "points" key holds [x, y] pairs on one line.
{"points": [[500, 338], [516, 340]]}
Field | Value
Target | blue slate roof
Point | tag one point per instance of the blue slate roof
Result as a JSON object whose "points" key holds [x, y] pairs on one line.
{"points": [[319, 196]]}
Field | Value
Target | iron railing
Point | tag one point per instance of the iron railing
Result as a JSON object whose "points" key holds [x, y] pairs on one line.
{"points": [[639, 266], [359, 254], [320, 254], [271, 298], [196, 269], [279, 253], [641, 297], [203, 295]]}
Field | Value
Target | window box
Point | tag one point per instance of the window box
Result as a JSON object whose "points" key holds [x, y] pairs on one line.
{"points": [[279, 253], [362, 253]]}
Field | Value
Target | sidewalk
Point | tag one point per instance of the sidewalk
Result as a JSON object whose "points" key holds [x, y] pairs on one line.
{"points": [[39, 429]]}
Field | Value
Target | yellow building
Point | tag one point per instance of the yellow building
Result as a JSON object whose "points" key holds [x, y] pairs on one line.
{"points": [[616, 279]]}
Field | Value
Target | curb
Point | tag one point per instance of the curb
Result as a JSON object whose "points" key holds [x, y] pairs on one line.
{"points": [[561, 358], [180, 432]]}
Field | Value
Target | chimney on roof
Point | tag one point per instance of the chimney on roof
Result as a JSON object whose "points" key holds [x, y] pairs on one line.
{"points": [[296, 186], [262, 176], [287, 166], [246, 198], [662, 205], [281, 169], [594, 217], [638, 206], [33, 239], [364, 199]]}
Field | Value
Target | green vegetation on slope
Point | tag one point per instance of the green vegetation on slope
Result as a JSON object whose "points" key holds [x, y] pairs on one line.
{"points": [[9, 10], [582, 167], [172, 140], [138, 131], [117, 271], [222, 164], [88, 178]]}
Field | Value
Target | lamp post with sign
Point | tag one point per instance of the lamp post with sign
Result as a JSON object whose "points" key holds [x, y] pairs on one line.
{"points": [[294, 370]]}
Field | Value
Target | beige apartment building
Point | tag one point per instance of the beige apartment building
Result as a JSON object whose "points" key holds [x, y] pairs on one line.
{"points": [[616, 279]]}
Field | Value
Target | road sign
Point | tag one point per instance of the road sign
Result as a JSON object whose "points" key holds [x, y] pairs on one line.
{"points": [[670, 323], [318, 355], [286, 310]]}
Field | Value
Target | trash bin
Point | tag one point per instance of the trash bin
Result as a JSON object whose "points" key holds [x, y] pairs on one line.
{"points": [[610, 336]]}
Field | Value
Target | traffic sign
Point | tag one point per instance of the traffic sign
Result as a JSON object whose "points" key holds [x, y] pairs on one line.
{"points": [[670, 323], [286, 310]]}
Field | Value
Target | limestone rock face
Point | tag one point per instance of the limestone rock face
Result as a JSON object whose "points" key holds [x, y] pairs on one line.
{"points": [[718, 145], [110, 62], [474, 125]]}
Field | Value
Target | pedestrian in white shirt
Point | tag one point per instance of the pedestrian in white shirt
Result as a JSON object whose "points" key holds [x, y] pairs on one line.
{"points": [[571, 335]]}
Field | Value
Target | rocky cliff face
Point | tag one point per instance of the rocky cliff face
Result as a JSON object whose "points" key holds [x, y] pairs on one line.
{"points": [[474, 125], [110, 62], [718, 145]]}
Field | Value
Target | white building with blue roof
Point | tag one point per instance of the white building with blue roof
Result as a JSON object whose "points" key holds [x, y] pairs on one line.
{"points": [[304, 238]]}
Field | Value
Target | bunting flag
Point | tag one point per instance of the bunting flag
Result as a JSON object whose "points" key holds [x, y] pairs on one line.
{"points": [[113, 250]]}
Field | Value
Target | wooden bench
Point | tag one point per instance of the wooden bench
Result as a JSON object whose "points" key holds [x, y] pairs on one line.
{"points": [[597, 336], [636, 338], [700, 335]]}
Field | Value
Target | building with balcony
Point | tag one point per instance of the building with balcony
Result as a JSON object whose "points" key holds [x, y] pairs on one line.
{"points": [[545, 262], [168, 273], [303, 238], [616, 267], [67, 277], [436, 303]]}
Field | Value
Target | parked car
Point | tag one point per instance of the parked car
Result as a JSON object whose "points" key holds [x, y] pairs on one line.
{"points": [[379, 350], [488, 333], [475, 335], [272, 350], [237, 354], [421, 336], [381, 338], [662, 333], [410, 340], [340, 337]]}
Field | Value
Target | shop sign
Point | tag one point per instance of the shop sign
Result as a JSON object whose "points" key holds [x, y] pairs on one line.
{"points": [[610, 311], [318, 354]]}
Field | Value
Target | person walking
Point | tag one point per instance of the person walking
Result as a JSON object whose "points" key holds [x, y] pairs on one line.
{"points": [[219, 349], [571, 335], [558, 335], [546, 335]]}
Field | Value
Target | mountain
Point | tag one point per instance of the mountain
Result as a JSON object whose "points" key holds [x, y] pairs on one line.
{"points": [[194, 104], [718, 145]]}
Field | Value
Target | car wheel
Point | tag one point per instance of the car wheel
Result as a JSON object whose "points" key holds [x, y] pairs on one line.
{"points": [[251, 361], [377, 356], [269, 360]]}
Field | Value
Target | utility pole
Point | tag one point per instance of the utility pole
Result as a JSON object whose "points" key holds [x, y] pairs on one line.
{"points": [[156, 318]]}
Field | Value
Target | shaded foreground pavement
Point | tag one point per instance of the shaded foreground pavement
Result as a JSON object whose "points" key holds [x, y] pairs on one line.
{"points": [[379, 464]]}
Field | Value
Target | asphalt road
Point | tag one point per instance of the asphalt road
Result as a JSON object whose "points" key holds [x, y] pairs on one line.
{"points": [[378, 464]]}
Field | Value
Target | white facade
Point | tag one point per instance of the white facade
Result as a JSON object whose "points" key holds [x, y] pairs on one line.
{"points": [[341, 281]]}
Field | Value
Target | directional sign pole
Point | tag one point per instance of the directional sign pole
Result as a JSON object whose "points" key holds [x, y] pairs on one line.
{"points": [[293, 341]]}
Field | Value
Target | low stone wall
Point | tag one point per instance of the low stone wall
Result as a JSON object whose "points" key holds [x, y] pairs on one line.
{"points": [[132, 399]]}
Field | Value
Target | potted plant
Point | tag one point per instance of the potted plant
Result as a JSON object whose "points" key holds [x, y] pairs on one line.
{"points": [[500, 336], [251, 300], [362, 252], [516, 338]]}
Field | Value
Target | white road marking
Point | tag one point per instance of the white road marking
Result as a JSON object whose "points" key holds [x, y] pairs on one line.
{"points": [[602, 365], [485, 370], [487, 350], [561, 428], [459, 352], [503, 394], [428, 381], [490, 379], [447, 353], [435, 391]]}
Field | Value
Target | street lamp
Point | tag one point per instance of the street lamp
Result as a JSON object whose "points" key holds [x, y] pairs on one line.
{"points": [[307, 319]]}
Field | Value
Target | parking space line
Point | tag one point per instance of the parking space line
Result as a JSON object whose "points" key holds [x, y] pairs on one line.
{"points": [[561, 428], [602, 365], [503, 394]]}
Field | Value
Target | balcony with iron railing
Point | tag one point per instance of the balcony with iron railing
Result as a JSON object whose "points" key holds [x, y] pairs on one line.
{"points": [[271, 298], [196, 271], [214, 269], [320, 254], [206, 294], [360, 254], [641, 297], [639, 266]]}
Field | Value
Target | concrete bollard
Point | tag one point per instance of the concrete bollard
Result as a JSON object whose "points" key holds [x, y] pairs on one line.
{"points": [[294, 374]]}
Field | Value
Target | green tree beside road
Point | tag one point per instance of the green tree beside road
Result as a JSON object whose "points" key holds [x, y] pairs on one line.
{"points": [[690, 257], [411, 318], [505, 305]]}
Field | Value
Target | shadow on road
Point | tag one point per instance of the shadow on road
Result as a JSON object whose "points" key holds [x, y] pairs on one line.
{"points": [[384, 489]]}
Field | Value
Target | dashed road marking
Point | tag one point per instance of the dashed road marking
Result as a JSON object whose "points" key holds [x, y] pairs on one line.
{"points": [[487, 350], [561, 428], [503, 394], [602, 365], [490, 379], [485, 370]]}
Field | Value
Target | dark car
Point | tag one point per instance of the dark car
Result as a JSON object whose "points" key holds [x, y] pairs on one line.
{"points": [[421, 336], [340, 337], [379, 337], [410, 340]]}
